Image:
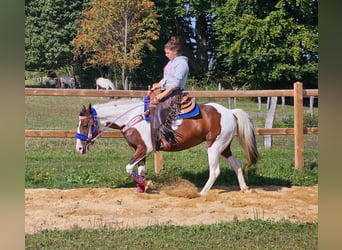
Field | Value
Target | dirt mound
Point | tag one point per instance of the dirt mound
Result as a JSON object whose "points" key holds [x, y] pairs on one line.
{"points": [[176, 204], [181, 188]]}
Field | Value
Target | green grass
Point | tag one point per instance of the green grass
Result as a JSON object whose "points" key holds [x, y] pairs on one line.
{"points": [[32, 83], [55, 112], [249, 234], [54, 163]]}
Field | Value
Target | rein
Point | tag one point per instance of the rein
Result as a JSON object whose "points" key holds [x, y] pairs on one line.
{"points": [[93, 112]]}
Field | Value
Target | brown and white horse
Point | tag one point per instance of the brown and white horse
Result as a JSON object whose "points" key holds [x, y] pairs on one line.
{"points": [[215, 124]]}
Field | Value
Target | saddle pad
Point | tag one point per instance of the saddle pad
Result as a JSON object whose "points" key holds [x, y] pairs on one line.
{"points": [[195, 111], [191, 113]]}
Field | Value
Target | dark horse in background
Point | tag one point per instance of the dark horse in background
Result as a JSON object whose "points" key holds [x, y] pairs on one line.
{"points": [[214, 124]]}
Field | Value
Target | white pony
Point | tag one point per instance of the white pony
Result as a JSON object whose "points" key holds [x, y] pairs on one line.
{"points": [[104, 83], [67, 82], [49, 82]]}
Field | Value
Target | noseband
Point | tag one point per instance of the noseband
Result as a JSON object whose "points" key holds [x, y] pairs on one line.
{"points": [[95, 126]]}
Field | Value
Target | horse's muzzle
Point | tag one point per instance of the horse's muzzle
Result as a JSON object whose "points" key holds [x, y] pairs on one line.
{"points": [[82, 146]]}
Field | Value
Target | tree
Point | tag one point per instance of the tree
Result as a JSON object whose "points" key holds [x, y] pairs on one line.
{"points": [[193, 22], [49, 28], [115, 32], [267, 44]]}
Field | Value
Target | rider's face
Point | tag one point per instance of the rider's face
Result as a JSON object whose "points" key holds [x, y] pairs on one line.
{"points": [[171, 54]]}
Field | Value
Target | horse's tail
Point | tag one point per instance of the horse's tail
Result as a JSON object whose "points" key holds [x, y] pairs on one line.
{"points": [[246, 134]]}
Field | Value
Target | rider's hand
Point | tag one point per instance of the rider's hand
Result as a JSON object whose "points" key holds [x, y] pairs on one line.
{"points": [[154, 100], [154, 87]]}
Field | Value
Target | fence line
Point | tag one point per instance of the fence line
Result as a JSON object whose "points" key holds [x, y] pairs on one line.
{"points": [[116, 134], [142, 93], [297, 92]]}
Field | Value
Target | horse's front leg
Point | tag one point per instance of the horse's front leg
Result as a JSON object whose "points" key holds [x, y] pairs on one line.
{"points": [[139, 177], [135, 140]]}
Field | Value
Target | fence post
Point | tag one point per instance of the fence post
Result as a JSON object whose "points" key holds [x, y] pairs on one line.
{"points": [[158, 161], [270, 114], [283, 103], [312, 99], [229, 102], [298, 125]]}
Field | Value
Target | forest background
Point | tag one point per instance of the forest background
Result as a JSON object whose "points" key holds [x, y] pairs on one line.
{"points": [[239, 44]]}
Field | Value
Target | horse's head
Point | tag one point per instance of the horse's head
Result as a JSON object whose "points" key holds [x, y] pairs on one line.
{"points": [[87, 129]]}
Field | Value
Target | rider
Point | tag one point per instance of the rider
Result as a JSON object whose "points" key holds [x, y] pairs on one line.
{"points": [[173, 82]]}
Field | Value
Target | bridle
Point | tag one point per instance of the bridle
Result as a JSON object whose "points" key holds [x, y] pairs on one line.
{"points": [[91, 122], [90, 138]]}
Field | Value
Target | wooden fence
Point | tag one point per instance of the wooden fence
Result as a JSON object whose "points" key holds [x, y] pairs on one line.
{"points": [[298, 130]]}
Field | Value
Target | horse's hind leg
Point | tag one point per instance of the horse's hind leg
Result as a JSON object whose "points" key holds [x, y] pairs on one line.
{"points": [[214, 170], [235, 163]]}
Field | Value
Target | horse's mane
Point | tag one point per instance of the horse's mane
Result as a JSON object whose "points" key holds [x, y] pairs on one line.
{"points": [[126, 108]]}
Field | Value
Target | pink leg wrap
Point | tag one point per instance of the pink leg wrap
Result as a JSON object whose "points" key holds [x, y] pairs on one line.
{"points": [[142, 182], [140, 189]]}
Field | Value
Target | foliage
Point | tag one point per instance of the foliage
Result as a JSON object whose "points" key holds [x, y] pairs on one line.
{"points": [[194, 25], [249, 234], [265, 44], [253, 44], [49, 28], [114, 32], [191, 21]]}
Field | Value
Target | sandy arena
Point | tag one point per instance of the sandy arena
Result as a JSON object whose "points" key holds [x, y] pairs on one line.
{"points": [[174, 205]]}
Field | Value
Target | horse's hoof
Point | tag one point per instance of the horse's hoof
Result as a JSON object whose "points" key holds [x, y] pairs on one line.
{"points": [[202, 193], [245, 190]]}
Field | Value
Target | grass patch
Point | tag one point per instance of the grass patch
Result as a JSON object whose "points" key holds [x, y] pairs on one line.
{"points": [[32, 83], [249, 234], [54, 162]]}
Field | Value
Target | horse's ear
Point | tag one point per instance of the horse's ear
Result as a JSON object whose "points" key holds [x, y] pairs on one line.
{"points": [[83, 111], [89, 107]]}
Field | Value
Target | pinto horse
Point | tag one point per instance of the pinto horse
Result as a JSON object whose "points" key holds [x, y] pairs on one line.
{"points": [[215, 125]]}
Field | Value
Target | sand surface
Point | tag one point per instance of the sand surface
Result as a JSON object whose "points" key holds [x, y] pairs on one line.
{"points": [[178, 204]]}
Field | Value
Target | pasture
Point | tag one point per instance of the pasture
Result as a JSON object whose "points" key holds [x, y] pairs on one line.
{"points": [[53, 164]]}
